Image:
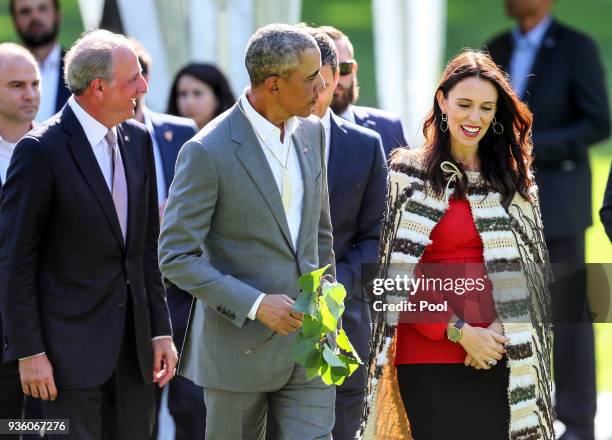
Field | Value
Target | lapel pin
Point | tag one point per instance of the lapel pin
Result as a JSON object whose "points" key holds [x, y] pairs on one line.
{"points": [[168, 135], [305, 150], [126, 138]]}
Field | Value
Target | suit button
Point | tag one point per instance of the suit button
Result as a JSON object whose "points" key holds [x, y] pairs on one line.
{"points": [[121, 303]]}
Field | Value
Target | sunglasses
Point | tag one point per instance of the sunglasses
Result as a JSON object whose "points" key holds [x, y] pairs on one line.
{"points": [[346, 67]]}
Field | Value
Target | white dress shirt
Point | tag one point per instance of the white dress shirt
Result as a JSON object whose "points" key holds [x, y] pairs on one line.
{"points": [[96, 135], [49, 78], [268, 136], [526, 47], [348, 114], [159, 166], [6, 151], [326, 120]]}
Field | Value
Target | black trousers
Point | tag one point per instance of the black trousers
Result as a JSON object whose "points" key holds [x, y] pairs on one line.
{"points": [[122, 408], [11, 395], [574, 342], [351, 395], [185, 399], [452, 401]]}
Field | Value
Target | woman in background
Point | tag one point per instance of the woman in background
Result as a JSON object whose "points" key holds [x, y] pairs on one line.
{"points": [[200, 92]]}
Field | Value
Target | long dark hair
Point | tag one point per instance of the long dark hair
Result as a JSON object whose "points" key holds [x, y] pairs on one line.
{"points": [[208, 74], [505, 159]]}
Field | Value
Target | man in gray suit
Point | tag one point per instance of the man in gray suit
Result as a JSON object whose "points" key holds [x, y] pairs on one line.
{"points": [[247, 214]]}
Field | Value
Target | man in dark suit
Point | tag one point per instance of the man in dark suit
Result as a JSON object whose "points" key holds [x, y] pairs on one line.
{"points": [[169, 133], [80, 292], [37, 22], [357, 181], [386, 124], [605, 213], [557, 71], [19, 100]]}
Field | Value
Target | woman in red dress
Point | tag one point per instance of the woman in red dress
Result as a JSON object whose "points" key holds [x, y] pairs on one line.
{"points": [[472, 342]]}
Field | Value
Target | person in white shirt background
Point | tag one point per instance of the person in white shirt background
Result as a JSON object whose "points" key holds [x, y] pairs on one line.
{"points": [[19, 101], [37, 22]]}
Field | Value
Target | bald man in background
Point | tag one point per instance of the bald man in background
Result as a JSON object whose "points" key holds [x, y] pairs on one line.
{"points": [[19, 102]]}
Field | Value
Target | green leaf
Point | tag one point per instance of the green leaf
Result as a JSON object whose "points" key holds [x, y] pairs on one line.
{"points": [[328, 320], [311, 281], [333, 295], [351, 363], [331, 358], [312, 328], [306, 304], [304, 350], [343, 342], [311, 373], [338, 370], [335, 308], [336, 291]]}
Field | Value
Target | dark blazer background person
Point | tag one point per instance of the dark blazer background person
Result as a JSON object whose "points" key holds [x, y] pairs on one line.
{"points": [[357, 182], [357, 178], [386, 124], [80, 290], [168, 134], [38, 22], [565, 89], [567, 94], [605, 213]]}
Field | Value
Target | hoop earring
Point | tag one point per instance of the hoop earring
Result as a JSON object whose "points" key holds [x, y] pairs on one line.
{"points": [[497, 127], [444, 123]]}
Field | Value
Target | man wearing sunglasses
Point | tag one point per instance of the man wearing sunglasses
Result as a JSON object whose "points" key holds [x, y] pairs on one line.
{"points": [[357, 179], [386, 124]]}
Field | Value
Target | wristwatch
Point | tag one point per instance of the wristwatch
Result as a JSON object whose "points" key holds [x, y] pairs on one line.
{"points": [[454, 333]]}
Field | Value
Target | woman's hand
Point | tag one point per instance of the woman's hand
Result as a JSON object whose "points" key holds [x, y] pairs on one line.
{"points": [[482, 345], [495, 326]]}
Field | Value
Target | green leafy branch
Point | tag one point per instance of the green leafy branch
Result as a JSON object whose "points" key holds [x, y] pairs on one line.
{"points": [[319, 347]]}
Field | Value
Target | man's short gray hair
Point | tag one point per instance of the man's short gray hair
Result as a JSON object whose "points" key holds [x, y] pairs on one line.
{"points": [[276, 49], [91, 57]]}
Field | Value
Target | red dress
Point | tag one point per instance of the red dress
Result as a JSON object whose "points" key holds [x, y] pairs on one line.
{"points": [[456, 252]]}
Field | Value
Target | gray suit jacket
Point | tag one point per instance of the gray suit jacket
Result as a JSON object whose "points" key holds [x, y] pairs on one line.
{"points": [[225, 239]]}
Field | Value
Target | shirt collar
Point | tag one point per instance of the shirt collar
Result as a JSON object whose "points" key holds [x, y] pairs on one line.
{"points": [[266, 130], [53, 58], [348, 114], [534, 37], [7, 144], [326, 120], [93, 129]]}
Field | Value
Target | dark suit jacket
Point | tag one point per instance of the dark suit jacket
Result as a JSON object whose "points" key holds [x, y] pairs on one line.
{"points": [[357, 176], [65, 273], [1, 331], [388, 125], [170, 132], [568, 98], [606, 210], [62, 90]]}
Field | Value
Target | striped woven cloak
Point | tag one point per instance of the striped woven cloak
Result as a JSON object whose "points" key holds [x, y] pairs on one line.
{"points": [[516, 262]]}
